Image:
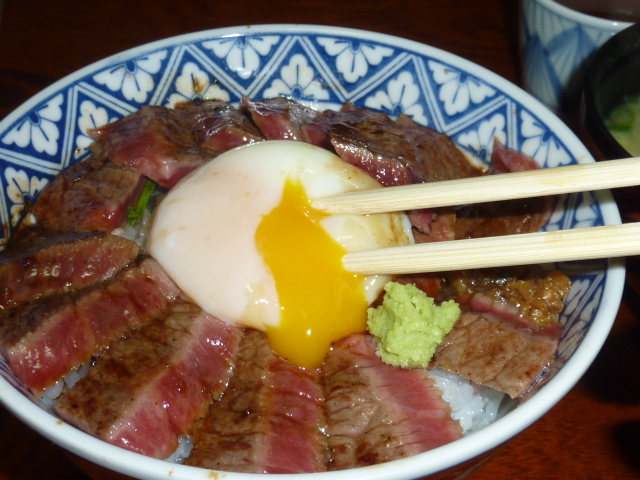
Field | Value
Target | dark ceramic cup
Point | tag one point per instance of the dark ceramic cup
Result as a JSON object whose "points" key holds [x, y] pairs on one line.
{"points": [[612, 75]]}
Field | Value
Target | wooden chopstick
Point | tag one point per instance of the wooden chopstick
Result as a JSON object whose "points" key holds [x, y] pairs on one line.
{"points": [[522, 249], [487, 188]]}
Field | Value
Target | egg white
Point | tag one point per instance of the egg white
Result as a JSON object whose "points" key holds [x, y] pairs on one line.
{"points": [[203, 232]]}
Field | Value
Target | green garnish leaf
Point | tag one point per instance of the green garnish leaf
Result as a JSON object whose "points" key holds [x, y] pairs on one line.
{"points": [[621, 118], [136, 212]]}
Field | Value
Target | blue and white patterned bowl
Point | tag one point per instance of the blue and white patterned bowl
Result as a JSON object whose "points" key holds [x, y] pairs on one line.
{"points": [[323, 67], [556, 42]]}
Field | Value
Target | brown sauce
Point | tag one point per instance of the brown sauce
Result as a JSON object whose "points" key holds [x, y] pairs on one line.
{"points": [[537, 295]]}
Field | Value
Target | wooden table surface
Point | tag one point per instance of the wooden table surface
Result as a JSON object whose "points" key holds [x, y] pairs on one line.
{"points": [[593, 433]]}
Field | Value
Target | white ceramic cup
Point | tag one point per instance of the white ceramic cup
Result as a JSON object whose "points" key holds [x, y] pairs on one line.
{"points": [[557, 37]]}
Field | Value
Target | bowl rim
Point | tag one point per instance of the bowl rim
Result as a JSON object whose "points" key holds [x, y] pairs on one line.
{"points": [[139, 466], [583, 18]]}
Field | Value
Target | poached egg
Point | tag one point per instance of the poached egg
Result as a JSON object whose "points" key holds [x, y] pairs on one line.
{"points": [[240, 238]]}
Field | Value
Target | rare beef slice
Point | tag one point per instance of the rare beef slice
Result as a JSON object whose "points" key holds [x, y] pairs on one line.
{"points": [[150, 387], [45, 339], [378, 413], [94, 194], [269, 420], [45, 262]]}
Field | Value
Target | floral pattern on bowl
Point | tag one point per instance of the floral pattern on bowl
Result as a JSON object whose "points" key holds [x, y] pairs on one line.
{"points": [[556, 43]]}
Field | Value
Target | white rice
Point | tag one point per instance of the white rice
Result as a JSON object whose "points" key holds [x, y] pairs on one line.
{"points": [[138, 232], [183, 451], [50, 395], [474, 406]]}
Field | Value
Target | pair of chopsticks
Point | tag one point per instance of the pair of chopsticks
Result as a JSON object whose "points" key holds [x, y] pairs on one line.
{"points": [[523, 249]]}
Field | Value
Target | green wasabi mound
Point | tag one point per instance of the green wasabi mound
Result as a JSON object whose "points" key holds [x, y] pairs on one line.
{"points": [[409, 326]]}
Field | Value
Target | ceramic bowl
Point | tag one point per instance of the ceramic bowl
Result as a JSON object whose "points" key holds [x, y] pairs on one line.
{"points": [[556, 42], [323, 67]]}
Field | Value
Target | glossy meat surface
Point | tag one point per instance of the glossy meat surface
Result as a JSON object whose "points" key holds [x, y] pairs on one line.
{"points": [[150, 387], [376, 412], [269, 420]]}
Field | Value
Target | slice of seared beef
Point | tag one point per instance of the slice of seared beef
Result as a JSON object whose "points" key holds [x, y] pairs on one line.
{"points": [[496, 353], [218, 126], [269, 419], [506, 160], [503, 218], [401, 152], [150, 387], [318, 130], [433, 224], [386, 163], [45, 339], [397, 152], [506, 217], [441, 157], [280, 118], [44, 262], [157, 141], [508, 333], [370, 141], [91, 195], [528, 297], [377, 413]]}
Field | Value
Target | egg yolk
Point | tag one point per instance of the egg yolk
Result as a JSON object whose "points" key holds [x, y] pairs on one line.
{"points": [[320, 301]]}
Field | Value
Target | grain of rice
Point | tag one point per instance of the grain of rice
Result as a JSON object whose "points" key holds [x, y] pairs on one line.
{"points": [[474, 406]]}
